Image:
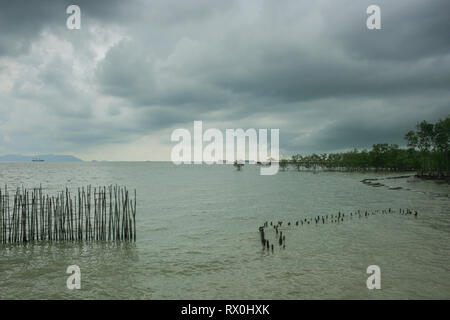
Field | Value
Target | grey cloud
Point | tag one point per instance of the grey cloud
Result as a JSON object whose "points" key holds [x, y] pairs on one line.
{"points": [[23, 21], [283, 68], [310, 68], [410, 30]]}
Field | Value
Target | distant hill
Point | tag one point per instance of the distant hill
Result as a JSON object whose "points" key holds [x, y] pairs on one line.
{"points": [[45, 157]]}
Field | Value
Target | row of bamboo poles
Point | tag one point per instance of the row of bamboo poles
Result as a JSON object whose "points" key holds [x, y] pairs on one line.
{"points": [[91, 214]]}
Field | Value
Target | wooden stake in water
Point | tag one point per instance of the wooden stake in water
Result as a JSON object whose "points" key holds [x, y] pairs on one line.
{"points": [[35, 216]]}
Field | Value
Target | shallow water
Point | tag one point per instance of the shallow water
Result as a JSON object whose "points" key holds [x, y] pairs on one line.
{"points": [[198, 236]]}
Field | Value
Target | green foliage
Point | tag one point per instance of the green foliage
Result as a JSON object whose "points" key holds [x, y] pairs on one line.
{"points": [[297, 161], [428, 151], [283, 164]]}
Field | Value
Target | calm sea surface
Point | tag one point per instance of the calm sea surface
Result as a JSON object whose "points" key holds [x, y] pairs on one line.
{"points": [[198, 236]]}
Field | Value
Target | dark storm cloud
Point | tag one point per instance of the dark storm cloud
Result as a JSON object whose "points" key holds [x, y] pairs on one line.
{"points": [[364, 124], [141, 68], [278, 66], [413, 30], [22, 21]]}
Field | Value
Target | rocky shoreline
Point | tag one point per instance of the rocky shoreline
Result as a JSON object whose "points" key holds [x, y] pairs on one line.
{"points": [[375, 182], [433, 177]]}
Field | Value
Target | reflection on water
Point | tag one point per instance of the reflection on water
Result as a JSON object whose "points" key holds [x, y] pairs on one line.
{"points": [[198, 236]]}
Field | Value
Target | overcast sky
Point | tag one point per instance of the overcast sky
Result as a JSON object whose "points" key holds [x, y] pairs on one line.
{"points": [[137, 70]]}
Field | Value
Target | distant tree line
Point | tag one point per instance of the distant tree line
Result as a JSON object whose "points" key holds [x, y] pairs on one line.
{"points": [[427, 152]]}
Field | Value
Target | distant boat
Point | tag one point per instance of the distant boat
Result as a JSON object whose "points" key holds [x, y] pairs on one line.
{"points": [[37, 160]]}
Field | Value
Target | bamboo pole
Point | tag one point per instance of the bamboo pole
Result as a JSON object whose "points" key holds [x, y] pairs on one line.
{"points": [[34, 216]]}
